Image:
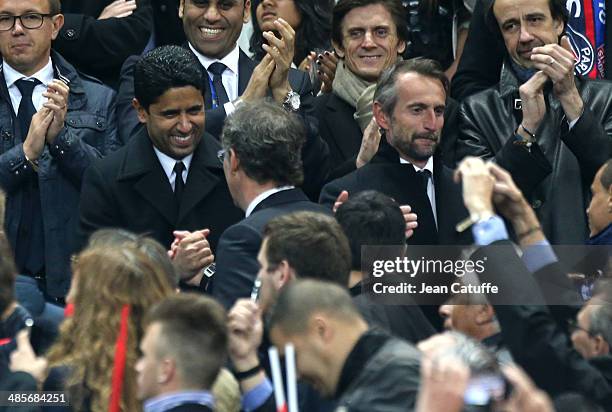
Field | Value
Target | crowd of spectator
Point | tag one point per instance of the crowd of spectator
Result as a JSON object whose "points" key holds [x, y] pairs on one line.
{"points": [[179, 205]]}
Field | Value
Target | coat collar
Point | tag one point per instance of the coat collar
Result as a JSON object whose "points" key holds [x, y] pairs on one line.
{"points": [[281, 198], [141, 165]]}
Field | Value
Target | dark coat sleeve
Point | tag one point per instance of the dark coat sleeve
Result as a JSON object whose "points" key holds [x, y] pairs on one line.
{"points": [[99, 47], [126, 114], [536, 341], [528, 168], [97, 206], [237, 264], [481, 61]]}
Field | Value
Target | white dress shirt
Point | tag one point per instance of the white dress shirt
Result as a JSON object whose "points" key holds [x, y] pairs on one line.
{"points": [[44, 76], [263, 196], [229, 78], [168, 163], [431, 191]]}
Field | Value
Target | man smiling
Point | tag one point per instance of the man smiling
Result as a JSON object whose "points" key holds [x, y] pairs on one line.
{"points": [[168, 177]]}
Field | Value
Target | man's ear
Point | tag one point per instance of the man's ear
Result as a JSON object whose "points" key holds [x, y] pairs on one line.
{"points": [[381, 118], [287, 274], [601, 346], [58, 23], [339, 50], [484, 314], [166, 371], [247, 11], [234, 161], [610, 199], [143, 115], [181, 9], [401, 47]]}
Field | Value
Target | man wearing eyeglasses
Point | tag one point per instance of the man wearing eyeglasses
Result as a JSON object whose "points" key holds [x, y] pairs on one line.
{"points": [[53, 122]]}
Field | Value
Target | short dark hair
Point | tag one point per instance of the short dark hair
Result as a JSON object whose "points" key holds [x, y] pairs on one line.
{"points": [[55, 7], [606, 175], [312, 243], [557, 11], [268, 141], [194, 333], [386, 91], [299, 300], [162, 69], [394, 7], [371, 218]]}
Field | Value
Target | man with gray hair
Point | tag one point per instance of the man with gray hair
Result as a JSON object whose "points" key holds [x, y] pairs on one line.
{"points": [[261, 160], [409, 105]]}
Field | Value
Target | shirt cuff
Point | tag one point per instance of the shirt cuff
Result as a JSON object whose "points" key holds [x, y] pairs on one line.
{"points": [[573, 122], [488, 231], [229, 108], [538, 255], [257, 396]]}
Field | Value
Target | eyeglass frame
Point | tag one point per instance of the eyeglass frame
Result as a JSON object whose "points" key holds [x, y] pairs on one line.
{"points": [[573, 326], [43, 15]]}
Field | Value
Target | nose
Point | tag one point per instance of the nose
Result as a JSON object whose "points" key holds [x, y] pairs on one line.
{"points": [[429, 121], [212, 13], [368, 40], [184, 125], [525, 36], [18, 27]]}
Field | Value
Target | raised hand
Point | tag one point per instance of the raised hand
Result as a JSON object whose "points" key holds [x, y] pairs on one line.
{"points": [[118, 9]]}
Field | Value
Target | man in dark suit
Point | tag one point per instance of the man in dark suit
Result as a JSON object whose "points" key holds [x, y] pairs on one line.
{"points": [[262, 165], [183, 350], [212, 29], [168, 177], [409, 105]]}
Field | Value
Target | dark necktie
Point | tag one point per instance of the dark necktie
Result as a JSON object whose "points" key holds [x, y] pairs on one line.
{"points": [[179, 184], [217, 70], [26, 107], [425, 175]]}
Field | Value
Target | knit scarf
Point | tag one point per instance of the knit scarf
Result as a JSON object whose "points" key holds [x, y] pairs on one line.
{"points": [[355, 91]]}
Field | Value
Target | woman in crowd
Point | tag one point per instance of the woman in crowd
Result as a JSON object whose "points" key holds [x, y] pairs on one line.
{"points": [[310, 19], [95, 354]]}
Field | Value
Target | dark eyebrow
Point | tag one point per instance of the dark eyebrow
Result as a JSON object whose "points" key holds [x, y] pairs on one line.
{"points": [[532, 15]]}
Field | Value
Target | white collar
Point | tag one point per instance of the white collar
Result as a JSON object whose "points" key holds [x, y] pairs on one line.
{"points": [[168, 162], [428, 165], [263, 196], [44, 75], [230, 59]]}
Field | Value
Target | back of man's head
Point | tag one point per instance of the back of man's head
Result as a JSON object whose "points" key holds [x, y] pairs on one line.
{"points": [[301, 299], [371, 218], [193, 333], [162, 69], [268, 142], [313, 245]]}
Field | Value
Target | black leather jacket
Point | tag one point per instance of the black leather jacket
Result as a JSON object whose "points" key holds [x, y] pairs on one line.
{"points": [[556, 174]]}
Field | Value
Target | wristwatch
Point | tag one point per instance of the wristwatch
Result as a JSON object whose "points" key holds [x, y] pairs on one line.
{"points": [[292, 101]]}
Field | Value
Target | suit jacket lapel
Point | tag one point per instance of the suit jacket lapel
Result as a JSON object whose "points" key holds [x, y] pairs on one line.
{"points": [[150, 180], [245, 71], [205, 173]]}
